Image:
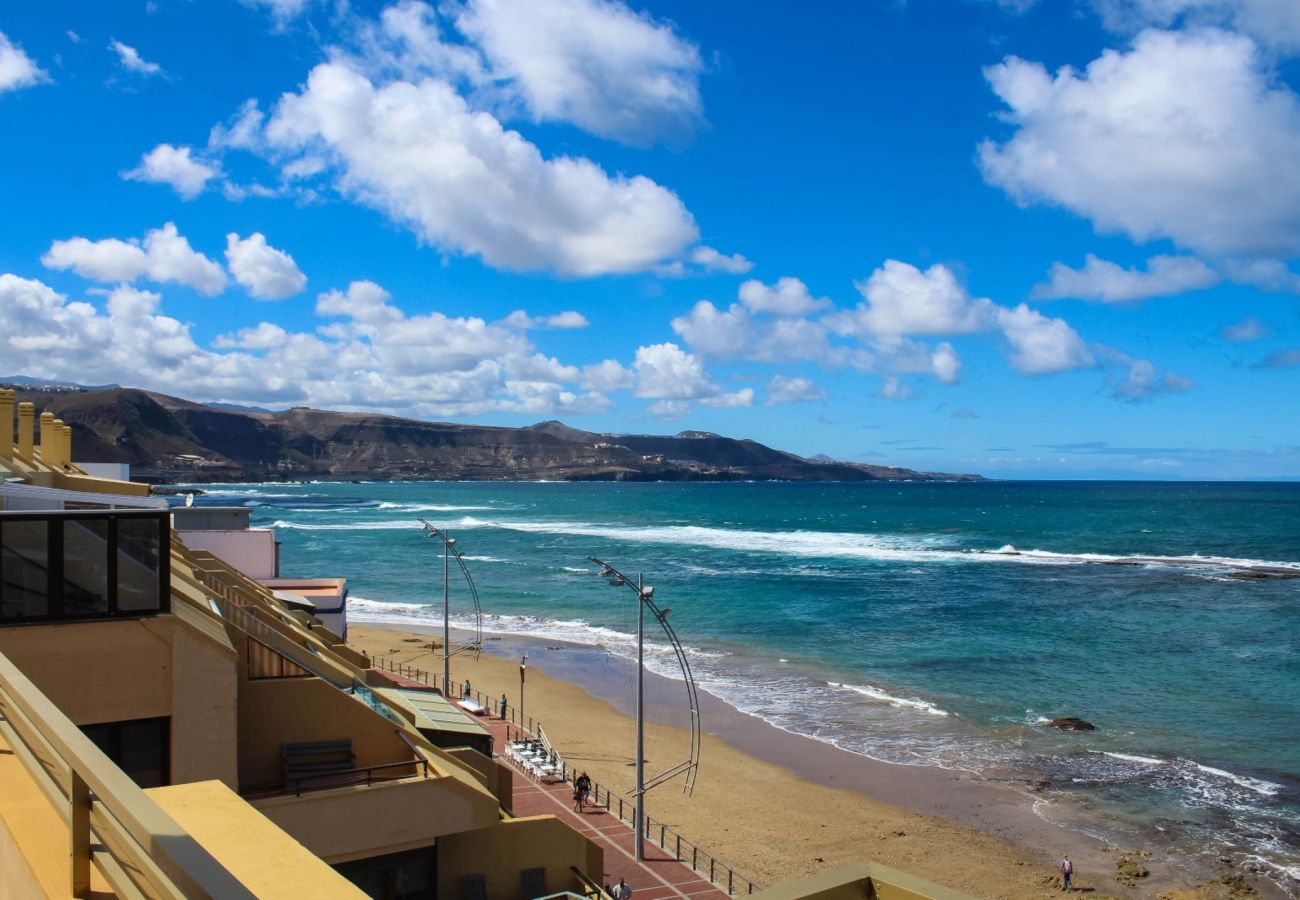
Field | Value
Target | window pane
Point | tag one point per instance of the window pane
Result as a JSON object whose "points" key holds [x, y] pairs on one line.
{"points": [[24, 569], [85, 567], [138, 547]]}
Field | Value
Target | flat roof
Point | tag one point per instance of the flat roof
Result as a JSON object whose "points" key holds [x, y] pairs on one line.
{"points": [[433, 712]]}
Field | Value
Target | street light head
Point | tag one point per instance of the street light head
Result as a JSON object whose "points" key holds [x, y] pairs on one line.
{"points": [[450, 541], [617, 581], [647, 592], [663, 613]]}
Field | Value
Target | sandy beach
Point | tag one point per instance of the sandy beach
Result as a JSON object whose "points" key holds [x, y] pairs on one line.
{"points": [[776, 805]]}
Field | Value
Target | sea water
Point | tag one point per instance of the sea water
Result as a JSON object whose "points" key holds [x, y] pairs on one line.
{"points": [[923, 624]]}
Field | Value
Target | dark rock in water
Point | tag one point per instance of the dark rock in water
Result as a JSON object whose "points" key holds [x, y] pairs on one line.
{"points": [[1072, 723]]}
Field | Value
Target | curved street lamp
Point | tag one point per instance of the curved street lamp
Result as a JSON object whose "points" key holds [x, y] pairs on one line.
{"points": [[448, 552], [690, 767]]}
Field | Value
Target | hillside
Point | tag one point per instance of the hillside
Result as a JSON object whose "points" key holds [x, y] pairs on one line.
{"points": [[170, 439]]}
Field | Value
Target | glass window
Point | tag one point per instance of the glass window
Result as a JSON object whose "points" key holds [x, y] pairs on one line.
{"points": [[140, 747], [85, 567], [24, 569], [138, 551]]}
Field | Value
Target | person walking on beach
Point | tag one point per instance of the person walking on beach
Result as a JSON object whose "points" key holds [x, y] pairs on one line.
{"points": [[1067, 872], [503, 707]]}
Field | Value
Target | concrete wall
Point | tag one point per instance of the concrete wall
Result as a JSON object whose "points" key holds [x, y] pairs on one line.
{"points": [[502, 852], [112, 671], [251, 552], [496, 777], [115, 471], [358, 822], [860, 881], [277, 711]]}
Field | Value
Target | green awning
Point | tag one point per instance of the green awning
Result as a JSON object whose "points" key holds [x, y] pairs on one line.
{"points": [[433, 712]]}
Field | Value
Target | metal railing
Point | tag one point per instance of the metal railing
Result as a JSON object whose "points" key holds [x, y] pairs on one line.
{"points": [[671, 842], [114, 825]]}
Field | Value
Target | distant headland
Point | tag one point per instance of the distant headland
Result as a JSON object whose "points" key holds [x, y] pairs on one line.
{"points": [[167, 439]]}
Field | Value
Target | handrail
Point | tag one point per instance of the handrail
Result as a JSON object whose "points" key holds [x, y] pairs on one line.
{"points": [[590, 885], [338, 779], [141, 848]]}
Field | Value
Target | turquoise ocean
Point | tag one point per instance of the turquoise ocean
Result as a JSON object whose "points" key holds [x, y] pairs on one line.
{"points": [[923, 624]]}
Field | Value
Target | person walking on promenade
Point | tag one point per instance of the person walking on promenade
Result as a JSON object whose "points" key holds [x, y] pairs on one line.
{"points": [[622, 890], [465, 689], [581, 791], [1067, 872], [503, 707]]}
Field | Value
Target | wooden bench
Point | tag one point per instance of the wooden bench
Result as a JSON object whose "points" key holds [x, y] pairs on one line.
{"points": [[316, 758]]}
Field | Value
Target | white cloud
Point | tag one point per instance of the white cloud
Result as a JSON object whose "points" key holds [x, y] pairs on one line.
{"points": [[163, 256], [901, 299], [1248, 329], [462, 182], [606, 376], [740, 398], [1040, 345], [895, 389], [17, 69], [561, 320], [665, 371], [782, 389], [1274, 23], [131, 60], [788, 297], [175, 166], [712, 260], [1106, 282], [282, 11], [265, 272], [1184, 136], [596, 63], [1266, 274], [427, 364], [1141, 379], [264, 336]]}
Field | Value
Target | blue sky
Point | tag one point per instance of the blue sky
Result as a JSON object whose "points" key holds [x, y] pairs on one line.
{"points": [[1027, 239]]}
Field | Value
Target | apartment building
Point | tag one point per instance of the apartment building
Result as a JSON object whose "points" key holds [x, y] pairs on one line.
{"points": [[171, 727]]}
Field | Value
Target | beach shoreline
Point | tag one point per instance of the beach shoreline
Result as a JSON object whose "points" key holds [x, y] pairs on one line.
{"points": [[776, 804]]}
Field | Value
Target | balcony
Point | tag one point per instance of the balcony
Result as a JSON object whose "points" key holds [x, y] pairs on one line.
{"points": [[84, 564]]}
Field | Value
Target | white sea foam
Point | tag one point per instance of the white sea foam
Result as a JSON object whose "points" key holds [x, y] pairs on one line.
{"points": [[875, 693], [430, 507], [388, 525], [1258, 785], [1130, 757]]}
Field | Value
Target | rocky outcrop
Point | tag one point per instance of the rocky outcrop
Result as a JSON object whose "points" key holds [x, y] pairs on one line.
{"points": [[1072, 723]]}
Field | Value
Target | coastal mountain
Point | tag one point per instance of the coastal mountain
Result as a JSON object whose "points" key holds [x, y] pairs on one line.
{"points": [[170, 439]]}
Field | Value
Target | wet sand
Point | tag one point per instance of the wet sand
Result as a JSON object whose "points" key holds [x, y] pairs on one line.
{"points": [[776, 805]]}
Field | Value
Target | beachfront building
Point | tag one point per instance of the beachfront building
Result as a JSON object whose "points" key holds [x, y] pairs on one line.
{"points": [[170, 726]]}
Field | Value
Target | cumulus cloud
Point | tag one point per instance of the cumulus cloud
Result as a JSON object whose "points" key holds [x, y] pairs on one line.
{"points": [[711, 260], [130, 59], [895, 389], [417, 152], [901, 299], [605, 68], [783, 389], [1040, 345], [175, 166], [608, 375], [787, 297], [282, 11], [164, 256], [677, 379], [371, 356], [1271, 275], [17, 69], [1106, 282], [1271, 22], [265, 272], [1184, 136], [1248, 329]]}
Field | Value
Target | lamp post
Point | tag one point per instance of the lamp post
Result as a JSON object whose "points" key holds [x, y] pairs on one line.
{"points": [[643, 595], [449, 552], [523, 666]]}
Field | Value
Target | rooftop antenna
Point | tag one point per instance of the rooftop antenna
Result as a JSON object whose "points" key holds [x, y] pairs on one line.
{"points": [[690, 767], [450, 552]]}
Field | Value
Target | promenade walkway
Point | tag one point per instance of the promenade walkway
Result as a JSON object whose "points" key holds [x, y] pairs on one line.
{"points": [[659, 877]]}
